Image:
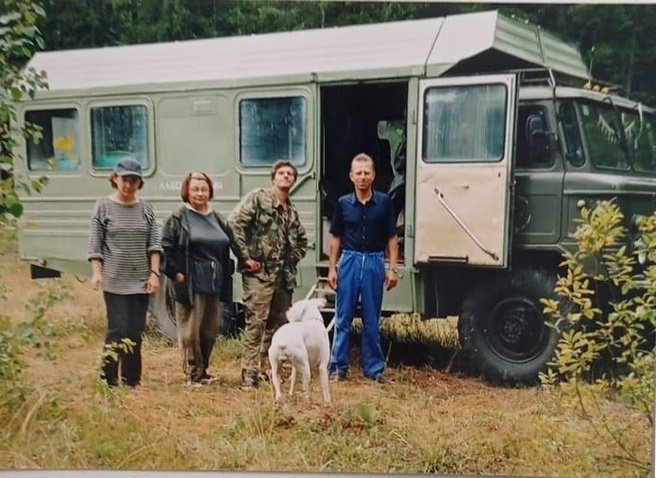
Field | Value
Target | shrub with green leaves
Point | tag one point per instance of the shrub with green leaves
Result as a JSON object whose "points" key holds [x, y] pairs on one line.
{"points": [[41, 332], [19, 39], [610, 282], [11, 364]]}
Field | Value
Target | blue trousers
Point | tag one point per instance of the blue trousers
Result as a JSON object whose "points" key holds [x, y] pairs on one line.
{"points": [[360, 275]]}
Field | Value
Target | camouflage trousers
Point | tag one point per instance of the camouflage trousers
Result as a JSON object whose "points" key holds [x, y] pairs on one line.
{"points": [[265, 305]]}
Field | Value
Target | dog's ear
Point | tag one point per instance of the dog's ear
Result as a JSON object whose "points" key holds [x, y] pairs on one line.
{"points": [[297, 311]]}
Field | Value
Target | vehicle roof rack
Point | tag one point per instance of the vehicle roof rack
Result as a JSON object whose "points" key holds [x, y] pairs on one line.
{"points": [[550, 78], [546, 77]]}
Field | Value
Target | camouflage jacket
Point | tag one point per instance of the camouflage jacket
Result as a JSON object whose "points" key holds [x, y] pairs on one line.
{"points": [[266, 231]]}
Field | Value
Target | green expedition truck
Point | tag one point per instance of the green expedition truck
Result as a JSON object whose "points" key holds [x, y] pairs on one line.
{"points": [[480, 127]]}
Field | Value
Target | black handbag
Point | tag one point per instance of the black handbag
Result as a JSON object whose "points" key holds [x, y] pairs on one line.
{"points": [[207, 277]]}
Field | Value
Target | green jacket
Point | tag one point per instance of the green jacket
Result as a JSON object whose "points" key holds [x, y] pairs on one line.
{"points": [[264, 230]]}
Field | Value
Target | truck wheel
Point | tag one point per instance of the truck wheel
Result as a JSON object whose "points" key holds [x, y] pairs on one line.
{"points": [[502, 328], [162, 309], [233, 320]]}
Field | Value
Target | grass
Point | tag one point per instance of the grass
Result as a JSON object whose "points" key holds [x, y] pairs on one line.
{"points": [[425, 421]]}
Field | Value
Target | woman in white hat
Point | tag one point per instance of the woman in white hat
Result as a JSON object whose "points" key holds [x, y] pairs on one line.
{"points": [[125, 253]]}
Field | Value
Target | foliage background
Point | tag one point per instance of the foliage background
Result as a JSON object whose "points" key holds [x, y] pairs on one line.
{"points": [[624, 46]]}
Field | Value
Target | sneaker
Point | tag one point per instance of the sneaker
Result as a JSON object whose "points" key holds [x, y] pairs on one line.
{"points": [[248, 383], [337, 377], [380, 378], [194, 384], [208, 379]]}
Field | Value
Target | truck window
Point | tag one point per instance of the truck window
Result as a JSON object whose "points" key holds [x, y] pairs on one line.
{"points": [[571, 133], [604, 136], [272, 129], [464, 123], [58, 147], [119, 132], [527, 157], [642, 140]]}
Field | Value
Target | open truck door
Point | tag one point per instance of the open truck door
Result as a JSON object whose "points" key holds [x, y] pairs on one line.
{"points": [[464, 179]]}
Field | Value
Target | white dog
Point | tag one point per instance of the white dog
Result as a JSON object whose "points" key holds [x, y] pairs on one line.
{"points": [[304, 343]]}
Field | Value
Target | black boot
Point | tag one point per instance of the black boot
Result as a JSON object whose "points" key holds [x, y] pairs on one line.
{"points": [[109, 369], [131, 365]]}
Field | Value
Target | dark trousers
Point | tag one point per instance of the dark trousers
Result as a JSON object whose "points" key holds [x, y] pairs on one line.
{"points": [[197, 331], [126, 319]]}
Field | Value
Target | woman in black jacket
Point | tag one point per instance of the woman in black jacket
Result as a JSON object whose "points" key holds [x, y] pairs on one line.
{"points": [[196, 242]]}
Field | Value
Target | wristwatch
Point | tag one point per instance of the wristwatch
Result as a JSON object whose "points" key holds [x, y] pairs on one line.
{"points": [[154, 272]]}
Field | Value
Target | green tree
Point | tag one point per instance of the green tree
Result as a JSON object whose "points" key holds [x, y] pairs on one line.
{"points": [[615, 40], [19, 38]]}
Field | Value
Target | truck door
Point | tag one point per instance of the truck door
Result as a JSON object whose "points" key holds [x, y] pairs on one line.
{"points": [[466, 141]]}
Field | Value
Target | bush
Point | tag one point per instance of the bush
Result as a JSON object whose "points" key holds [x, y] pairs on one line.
{"points": [[612, 289], [11, 364]]}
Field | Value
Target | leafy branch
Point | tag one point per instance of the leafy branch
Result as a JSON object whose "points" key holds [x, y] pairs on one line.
{"points": [[19, 39], [618, 333]]}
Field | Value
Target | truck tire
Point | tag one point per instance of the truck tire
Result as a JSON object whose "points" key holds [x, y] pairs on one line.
{"points": [[162, 310], [502, 327], [233, 320]]}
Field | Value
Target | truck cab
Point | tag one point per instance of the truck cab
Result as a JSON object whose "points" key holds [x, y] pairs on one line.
{"points": [[573, 147]]}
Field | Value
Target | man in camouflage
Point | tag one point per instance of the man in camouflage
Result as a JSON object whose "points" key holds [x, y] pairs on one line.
{"points": [[269, 241]]}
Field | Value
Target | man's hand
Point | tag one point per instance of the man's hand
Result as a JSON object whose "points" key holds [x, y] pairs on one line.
{"points": [[251, 265], [179, 277], [391, 280], [332, 278]]}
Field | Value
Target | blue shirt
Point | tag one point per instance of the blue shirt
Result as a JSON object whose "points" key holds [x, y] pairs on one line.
{"points": [[364, 227]]}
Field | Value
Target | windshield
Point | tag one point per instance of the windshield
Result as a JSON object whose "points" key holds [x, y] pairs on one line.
{"points": [[617, 138], [641, 137], [604, 136]]}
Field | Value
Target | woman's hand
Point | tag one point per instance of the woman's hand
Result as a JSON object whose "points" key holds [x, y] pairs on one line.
{"points": [[152, 286], [97, 280]]}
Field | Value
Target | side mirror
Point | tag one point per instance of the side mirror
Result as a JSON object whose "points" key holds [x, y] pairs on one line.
{"points": [[567, 116]]}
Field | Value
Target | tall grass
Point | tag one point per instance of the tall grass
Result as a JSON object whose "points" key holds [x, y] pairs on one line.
{"points": [[424, 421]]}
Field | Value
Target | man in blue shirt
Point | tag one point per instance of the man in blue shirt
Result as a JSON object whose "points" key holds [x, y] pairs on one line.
{"points": [[363, 226]]}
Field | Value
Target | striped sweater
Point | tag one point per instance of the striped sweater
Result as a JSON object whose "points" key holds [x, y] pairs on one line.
{"points": [[123, 236]]}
